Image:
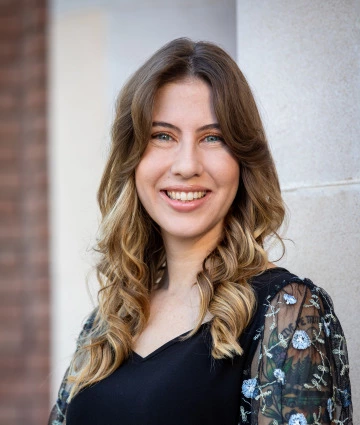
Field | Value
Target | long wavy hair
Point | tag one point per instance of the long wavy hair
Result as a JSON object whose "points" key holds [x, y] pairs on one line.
{"points": [[130, 244]]}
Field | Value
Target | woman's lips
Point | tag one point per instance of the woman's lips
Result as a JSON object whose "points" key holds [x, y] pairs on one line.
{"points": [[185, 200], [185, 196]]}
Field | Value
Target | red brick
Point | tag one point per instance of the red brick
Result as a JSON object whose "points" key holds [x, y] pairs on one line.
{"points": [[11, 24], [11, 7], [37, 203], [11, 337], [39, 415], [11, 366], [37, 124], [39, 285], [39, 260], [41, 333], [11, 285], [10, 312], [29, 5], [35, 153], [9, 153], [9, 51], [38, 362], [9, 414], [35, 134], [41, 336], [34, 98], [9, 102], [10, 131], [35, 18], [24, 258], [9, 180], [34, 46], [8, 258], [9, 291], [19, 388], [36, 271], [10, 75], [7, 206], [34, 72], [9, 164]]}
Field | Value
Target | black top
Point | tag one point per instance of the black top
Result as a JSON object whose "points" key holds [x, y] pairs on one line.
{"points": [[296, 375], [178, 380]]}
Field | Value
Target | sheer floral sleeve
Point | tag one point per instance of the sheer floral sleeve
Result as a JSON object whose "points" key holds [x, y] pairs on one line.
{"points": [[58, 412], [300, 373]]}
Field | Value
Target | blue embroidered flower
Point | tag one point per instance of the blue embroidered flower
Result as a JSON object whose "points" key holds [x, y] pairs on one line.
{"points": [[330, 407], [326, 327], [279, 375], [290, 299], [249, 388], [301, 340], [297, 419], [345, 397]]}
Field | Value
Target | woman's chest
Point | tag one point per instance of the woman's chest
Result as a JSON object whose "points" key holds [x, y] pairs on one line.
{"points": [[168, 320], [178, 383]]}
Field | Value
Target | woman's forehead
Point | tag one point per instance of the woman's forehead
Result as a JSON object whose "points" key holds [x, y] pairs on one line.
{"points": [[185, 100]]}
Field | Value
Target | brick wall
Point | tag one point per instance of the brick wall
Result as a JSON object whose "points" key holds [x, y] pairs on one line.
{"points": [[24, 275]]}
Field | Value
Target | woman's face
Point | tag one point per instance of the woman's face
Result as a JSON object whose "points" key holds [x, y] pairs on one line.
{"points": [[187, 178]]}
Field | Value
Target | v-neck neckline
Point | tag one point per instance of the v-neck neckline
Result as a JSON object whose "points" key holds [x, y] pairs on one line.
{"points": [[137, 357]]}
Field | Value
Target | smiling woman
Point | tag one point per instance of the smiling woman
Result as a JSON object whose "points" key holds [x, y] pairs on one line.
{"points": [[186, 166], [194, 324]]}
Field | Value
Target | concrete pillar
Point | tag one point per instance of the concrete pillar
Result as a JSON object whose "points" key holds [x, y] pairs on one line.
{"points": [[302, 60]]}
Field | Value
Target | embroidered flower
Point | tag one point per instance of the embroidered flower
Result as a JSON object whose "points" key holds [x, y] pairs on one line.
{"points": [[249, 388], [290, 299], [301, 340], [297, 419], [326, 327], [279, 375], [345, 397], [243, 414], [330, 407]]}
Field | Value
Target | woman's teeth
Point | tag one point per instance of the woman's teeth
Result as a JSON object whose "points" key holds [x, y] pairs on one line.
{"points": [[185, 196]]}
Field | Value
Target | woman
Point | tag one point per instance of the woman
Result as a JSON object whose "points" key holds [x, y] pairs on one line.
{"points": [[194, 325]]}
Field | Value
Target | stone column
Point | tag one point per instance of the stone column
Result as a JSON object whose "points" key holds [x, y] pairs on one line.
{"points": [[302, 60]]}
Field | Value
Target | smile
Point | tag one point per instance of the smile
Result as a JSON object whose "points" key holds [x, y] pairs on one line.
{"points": [[185, 196]]}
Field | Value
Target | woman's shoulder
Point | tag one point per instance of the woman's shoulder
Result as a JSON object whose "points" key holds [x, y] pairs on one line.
{"points": [[300, 352], [88, 329], [278, 280]]}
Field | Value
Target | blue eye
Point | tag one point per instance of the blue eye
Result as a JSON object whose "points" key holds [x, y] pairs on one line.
{"points": [[162, 136], [213, 138]]}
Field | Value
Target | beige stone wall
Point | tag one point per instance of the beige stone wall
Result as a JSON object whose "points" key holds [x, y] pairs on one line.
{"points": [[302, 59], [77, 144]]}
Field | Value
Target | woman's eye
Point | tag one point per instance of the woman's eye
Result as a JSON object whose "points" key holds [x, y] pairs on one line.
{"points": [[162, 136], [213, 138]]}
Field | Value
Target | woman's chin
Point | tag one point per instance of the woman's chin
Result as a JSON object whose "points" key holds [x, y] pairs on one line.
{"points": [[186, 234]]}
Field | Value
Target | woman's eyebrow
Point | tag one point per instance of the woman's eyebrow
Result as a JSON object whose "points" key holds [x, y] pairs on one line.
{"points": [[165, 124], [209, 127], [168, 125]]}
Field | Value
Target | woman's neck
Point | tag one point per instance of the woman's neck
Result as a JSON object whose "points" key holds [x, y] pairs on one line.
{"points": [[184, 260]]}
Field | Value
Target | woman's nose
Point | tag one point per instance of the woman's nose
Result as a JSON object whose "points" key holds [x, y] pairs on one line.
{"points": [[187, 161]]}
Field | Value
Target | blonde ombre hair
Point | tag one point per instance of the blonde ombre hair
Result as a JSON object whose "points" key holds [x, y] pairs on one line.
{"points": [[130, 243]]}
